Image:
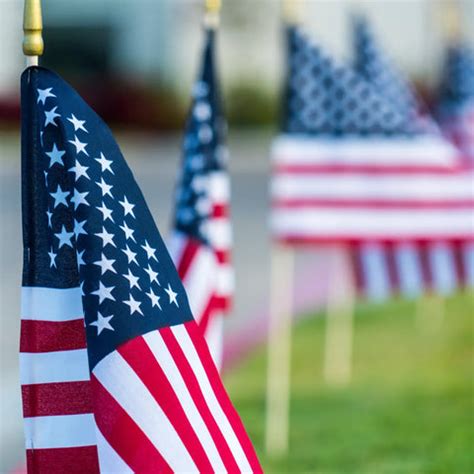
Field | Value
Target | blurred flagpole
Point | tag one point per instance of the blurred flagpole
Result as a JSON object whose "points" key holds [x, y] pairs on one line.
{"points": [[212, 13], [33, 45], [282, 274]]}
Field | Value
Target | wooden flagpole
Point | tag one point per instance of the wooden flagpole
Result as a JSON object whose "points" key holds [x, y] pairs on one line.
{"points": [[338, 342], [279, 350], [33, 45]]}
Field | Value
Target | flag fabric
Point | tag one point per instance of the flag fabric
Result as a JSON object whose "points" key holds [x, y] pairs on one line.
{"points": [[351, 167], [455, 109], [115, 374], [201, 240]]}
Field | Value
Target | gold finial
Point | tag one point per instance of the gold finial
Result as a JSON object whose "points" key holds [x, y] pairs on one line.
{"points": [[33, 45], [451, 19], [213, 8], [291, 11]]}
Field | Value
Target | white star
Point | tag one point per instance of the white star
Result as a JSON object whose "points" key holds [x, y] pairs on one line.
{"points": [[104, 163], [153, 275], [55, 156], [105, 188], [106, 212], [150, 251], [105, 265], [79, 170], [64, 237], [106, 238], [200, 89], [80, 258], [155, 299], [102, 322], [205, 133], [130, 255], [133, 279], [80, 147], [104, 292], [52, 257], [43, 94], [134, 305], [79, 228], [79, 198], [51, 116], [127, 207], [49, 214], [172, 295], [128, 232], [78, 124], [59, 196], [202, 111]]}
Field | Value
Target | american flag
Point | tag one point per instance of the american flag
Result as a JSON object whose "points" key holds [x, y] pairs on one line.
{"points": [[115, 374], [456, 104], [351, 167], [201, 241]]}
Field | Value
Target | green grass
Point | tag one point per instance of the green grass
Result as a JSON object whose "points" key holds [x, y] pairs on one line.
{"points": [[409, 408]]}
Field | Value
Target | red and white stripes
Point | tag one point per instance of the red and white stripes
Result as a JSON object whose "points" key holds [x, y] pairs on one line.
{"points": [[55, 382], [357, 190], [166, 378]]}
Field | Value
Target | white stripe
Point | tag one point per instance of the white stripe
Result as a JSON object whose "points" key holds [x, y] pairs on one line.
{"points": [[220, 233], [62, 431], [225, 280], [468, 263], [222, 421], [51, 304], [375, 270], [443, 269], [119, 379], [162, 355], [367, 223], [407, 259], [426, 150], [200, 280], [401, 187], [176, 245], [109, 460], [219, 187], [50, 367]]}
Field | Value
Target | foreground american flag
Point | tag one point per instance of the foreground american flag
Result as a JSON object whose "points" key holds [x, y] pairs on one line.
{"points": [[115, 374], [201, 241], [352, 168]]}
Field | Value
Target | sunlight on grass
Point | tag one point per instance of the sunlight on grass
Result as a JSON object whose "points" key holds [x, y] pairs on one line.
{"points": [[409, 408]]}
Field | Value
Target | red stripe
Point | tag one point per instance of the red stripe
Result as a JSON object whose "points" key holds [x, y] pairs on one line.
{"points": [[198, 398], [62, 398], [461, 276], [123, 434], [358, 274], [425, 264], [222, 397], [392, 268], [220, 210], [139, 356], [189, 252], [223, 256], [63, 460], [49, 336], [367, 169], [372, 204], [291, 239]]}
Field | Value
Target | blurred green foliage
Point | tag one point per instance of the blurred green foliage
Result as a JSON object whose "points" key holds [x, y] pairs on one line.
{"points": [[409, 408]]}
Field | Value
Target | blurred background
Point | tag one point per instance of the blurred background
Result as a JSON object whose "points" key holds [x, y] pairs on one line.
{"points": [[134, 61]]}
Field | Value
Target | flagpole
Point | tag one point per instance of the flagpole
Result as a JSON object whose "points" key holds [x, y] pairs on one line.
{"points": [[291, 11], [33, 45], [212, 13]]}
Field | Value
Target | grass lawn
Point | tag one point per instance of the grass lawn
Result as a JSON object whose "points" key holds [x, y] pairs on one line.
{"points": [[409, 408]]}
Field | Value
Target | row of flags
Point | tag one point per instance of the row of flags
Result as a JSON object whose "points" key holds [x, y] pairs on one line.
{"points": [[361, 162], [116, 375]]}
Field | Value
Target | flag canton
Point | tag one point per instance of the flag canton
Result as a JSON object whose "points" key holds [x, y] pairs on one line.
{"points": [[87, 223], [458, 78], [204, 151], [373, 65], [325, 98]]}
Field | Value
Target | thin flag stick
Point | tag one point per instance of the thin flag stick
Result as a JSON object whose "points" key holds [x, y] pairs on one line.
{"points": [[33, 45], [279, 351], [339, 320], [212, 13]]}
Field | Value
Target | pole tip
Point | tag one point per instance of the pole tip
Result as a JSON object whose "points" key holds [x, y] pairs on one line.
{"points": [[211, 17], [291, 11], [32, 28]]}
